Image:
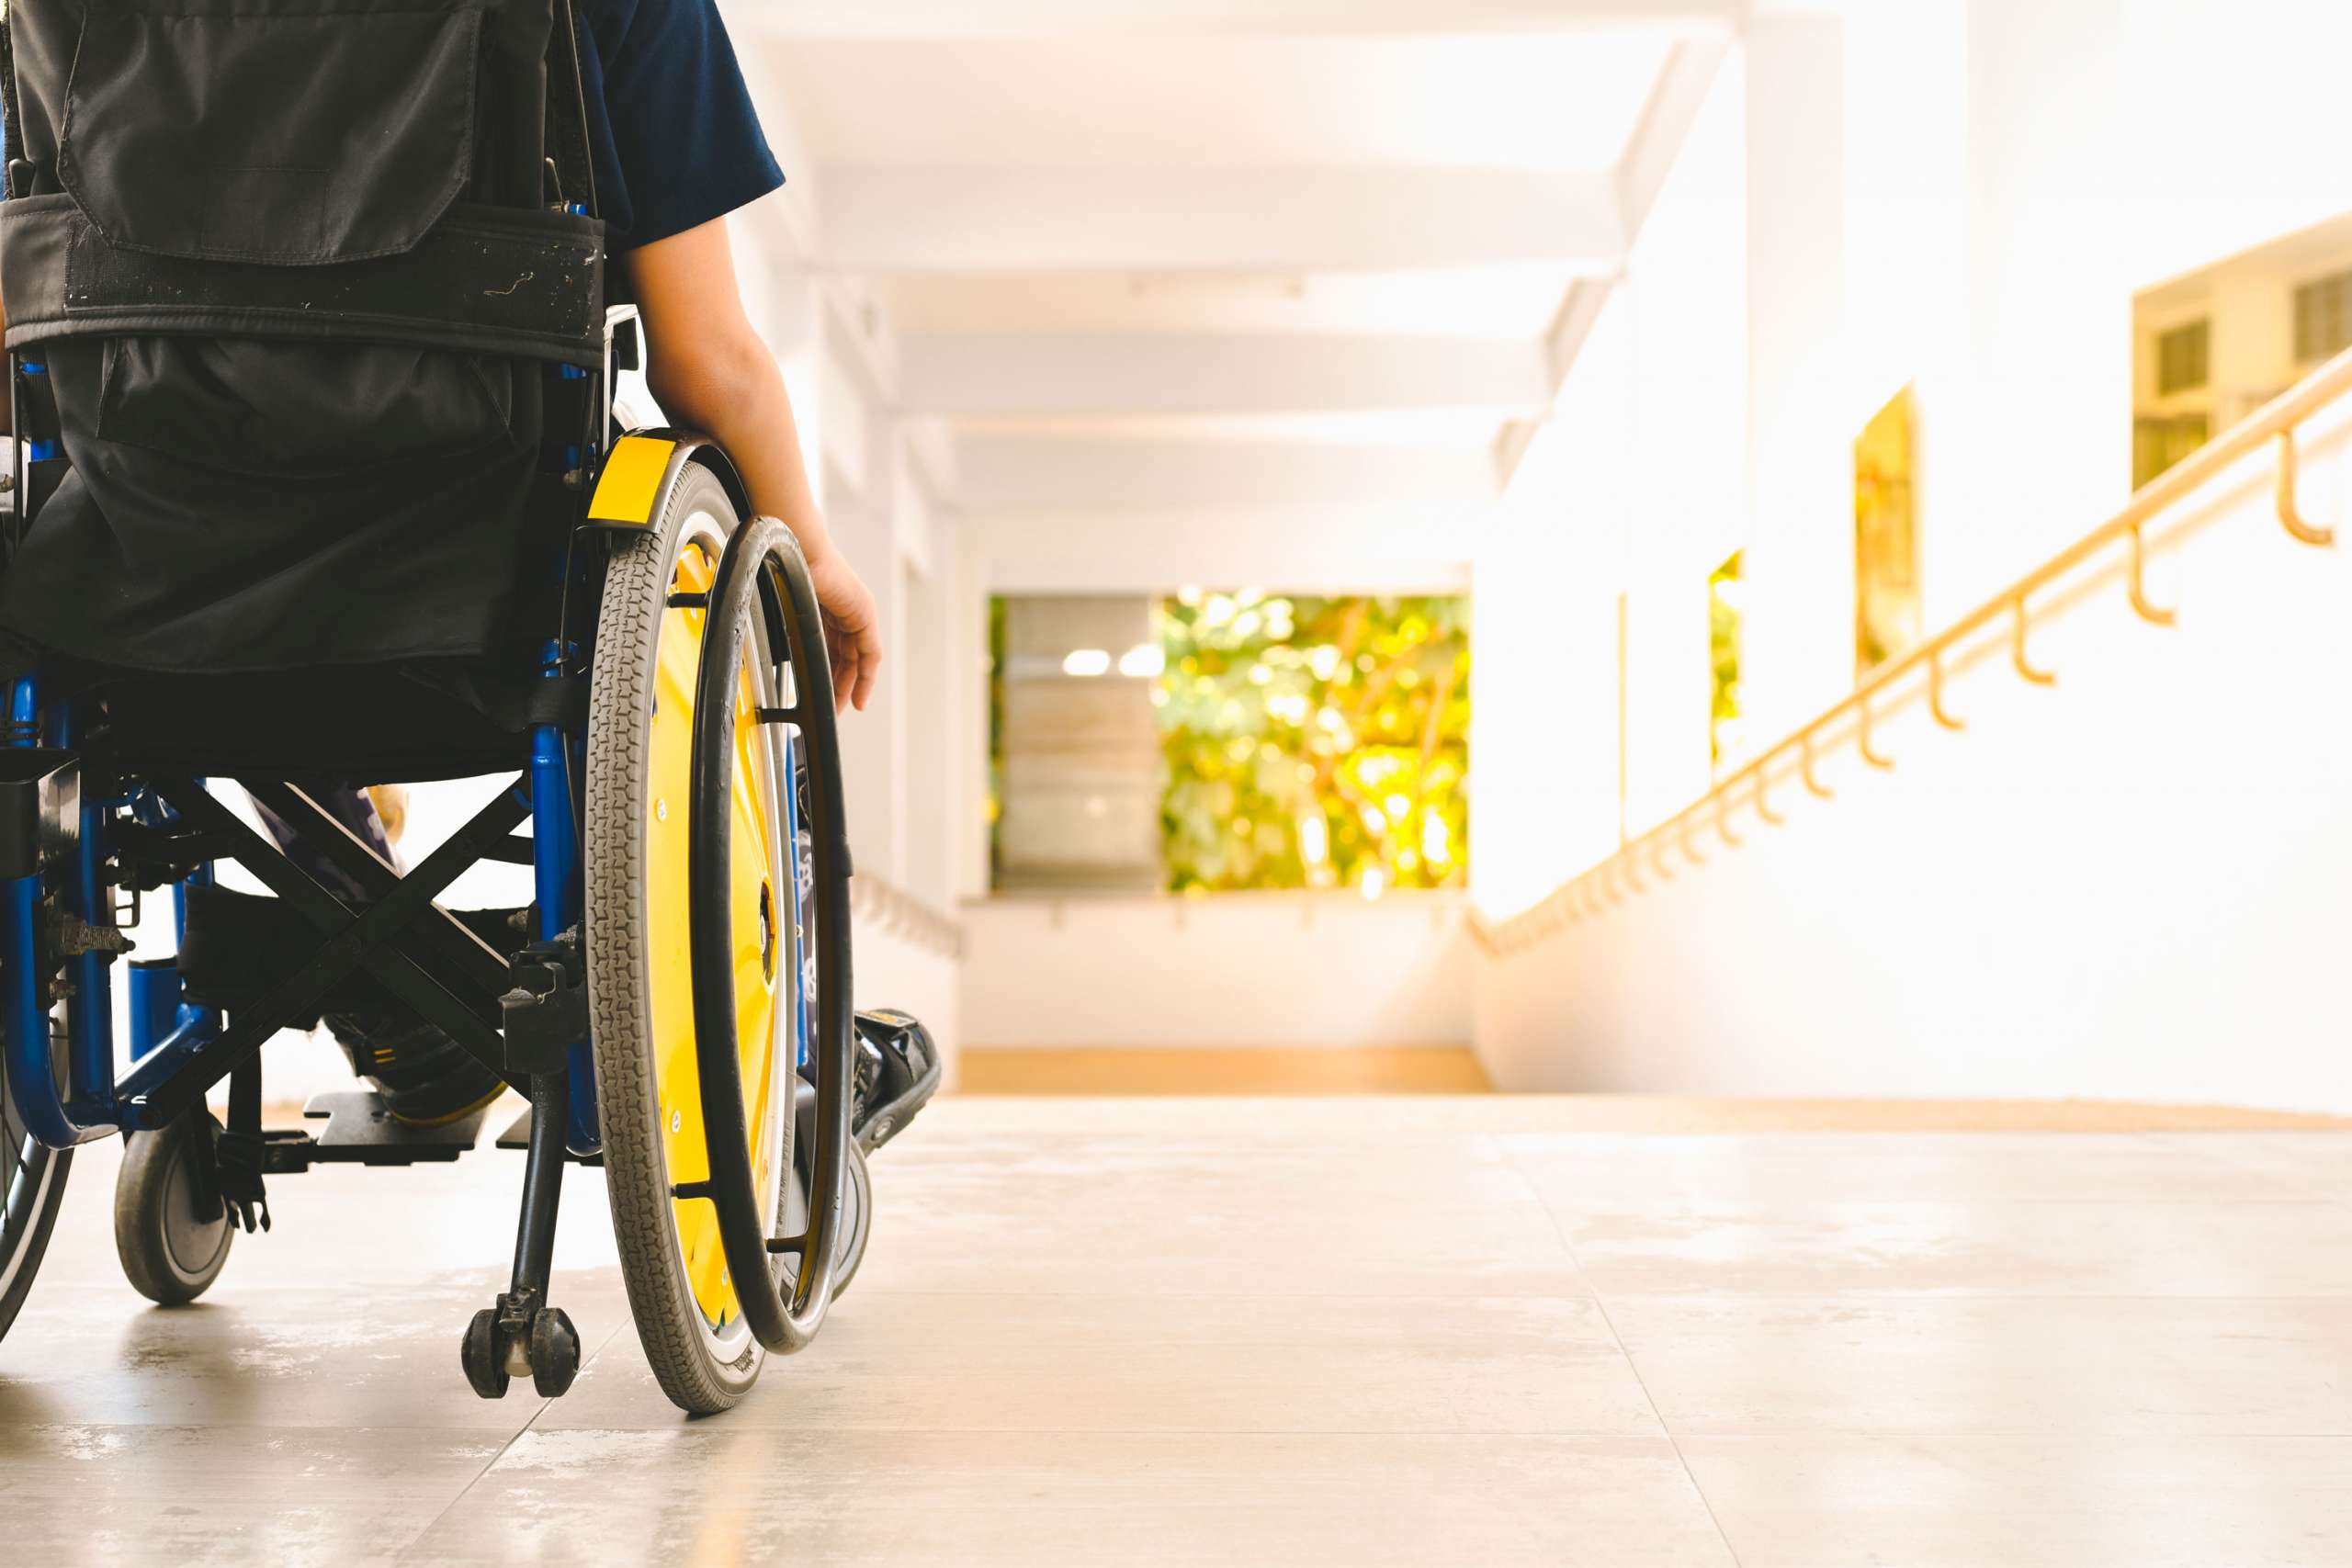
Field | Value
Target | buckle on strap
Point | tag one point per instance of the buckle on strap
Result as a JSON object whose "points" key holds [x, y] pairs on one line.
{"points": [[545, 1012]]}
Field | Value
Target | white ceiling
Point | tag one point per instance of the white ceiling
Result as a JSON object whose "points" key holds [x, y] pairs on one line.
{"points": [[1301, 241], [1509, 300], [1493, 102]]}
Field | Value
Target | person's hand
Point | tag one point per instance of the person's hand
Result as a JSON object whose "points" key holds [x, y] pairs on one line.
{"points": [[852, 628]]}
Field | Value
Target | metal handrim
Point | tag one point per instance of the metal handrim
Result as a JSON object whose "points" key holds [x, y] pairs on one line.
{"points": [[762, 579]]}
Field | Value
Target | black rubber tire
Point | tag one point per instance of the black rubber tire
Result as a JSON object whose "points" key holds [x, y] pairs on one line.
{"points": [[169, 1255], [479, 1354], [861, 1223], [701, 1373], [554, 1352], [32, 1186]]}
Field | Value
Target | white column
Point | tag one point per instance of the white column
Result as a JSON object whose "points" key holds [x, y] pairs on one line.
{"points": [[859, 507], [1543, 640], [2052, 255], [931, 762], [1799, 653], [968, 656]]}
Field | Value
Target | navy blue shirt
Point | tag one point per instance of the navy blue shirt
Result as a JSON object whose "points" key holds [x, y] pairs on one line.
{"points": [[670, 126]]}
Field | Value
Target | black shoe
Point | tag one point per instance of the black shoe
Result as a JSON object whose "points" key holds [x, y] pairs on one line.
{"points": [[427, 1079], [897, 1072]]}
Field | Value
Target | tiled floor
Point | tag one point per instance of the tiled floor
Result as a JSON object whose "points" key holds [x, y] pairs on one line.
{"points": [[1248, 1333], [1266, 1070]]}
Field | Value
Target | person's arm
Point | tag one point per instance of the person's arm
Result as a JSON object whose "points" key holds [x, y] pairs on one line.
{"points": [[710, 371]]}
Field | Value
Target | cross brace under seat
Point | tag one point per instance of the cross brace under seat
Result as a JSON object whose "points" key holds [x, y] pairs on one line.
{"points": [[420, 953]]}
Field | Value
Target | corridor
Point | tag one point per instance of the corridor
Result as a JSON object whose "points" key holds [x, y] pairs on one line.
{"points": [[1608, 786], [1402, 1331]]}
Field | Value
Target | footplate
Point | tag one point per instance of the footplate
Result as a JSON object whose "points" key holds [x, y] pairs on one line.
{"points": [[361, 1129]]}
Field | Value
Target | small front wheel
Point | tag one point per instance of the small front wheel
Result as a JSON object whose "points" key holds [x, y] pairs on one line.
{"points": [[484, 1357], [172, 1244], [857, 1223], [857, 1202], [554, 1352]]}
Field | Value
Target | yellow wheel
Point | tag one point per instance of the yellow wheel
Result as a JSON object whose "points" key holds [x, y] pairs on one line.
{"points": [[650, 642]]}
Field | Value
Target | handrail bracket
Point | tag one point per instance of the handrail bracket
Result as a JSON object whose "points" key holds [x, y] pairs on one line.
{"points": [[2025, 666], [1870, 753], [2149, 611], [1944, 715], [1811, 779], [2289, 512]]}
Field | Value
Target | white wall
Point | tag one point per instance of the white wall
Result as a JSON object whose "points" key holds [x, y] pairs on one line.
{"points": [[1240, 970], [2130, 886], [894, 970]]}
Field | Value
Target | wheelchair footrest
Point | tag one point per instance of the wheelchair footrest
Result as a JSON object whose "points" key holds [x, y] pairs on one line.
{"points": [[361, 1129]]}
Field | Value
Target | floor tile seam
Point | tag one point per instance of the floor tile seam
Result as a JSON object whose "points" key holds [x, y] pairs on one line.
{"points": [[1681, 1208], [1602, 1305], [2040, 1432], [403, 1552], [1249, 1295], [1657, 1437], [2007, 1435], [1946, 1293]]}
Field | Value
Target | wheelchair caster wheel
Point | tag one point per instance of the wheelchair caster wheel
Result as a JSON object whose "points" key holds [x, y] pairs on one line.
{"points": [[171, 1251], [554, 1352], [484, 1358], [857, 1220]]}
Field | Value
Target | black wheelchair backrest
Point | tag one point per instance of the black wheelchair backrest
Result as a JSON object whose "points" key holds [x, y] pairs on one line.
{"points": [[378, 170], [305, 308]]}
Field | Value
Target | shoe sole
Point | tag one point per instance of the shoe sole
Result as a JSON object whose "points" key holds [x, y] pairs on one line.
{"points": [[885, 1123]]}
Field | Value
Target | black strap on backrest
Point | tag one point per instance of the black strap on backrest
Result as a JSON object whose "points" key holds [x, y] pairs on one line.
{"points": [[567, 98], [485, 280], [10, 125]]}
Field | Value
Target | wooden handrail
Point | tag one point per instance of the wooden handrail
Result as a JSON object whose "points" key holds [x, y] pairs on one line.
{"points": [[2274, 423]]}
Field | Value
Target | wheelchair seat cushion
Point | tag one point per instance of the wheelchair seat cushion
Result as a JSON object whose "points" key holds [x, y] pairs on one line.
{"points": [[242, 505], [359, 724]]}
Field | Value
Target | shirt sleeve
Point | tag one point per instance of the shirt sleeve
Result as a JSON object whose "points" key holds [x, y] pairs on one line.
{"points": [[686, 140]]}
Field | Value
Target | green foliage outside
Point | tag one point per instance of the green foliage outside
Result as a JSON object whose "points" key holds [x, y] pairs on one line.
{"points": [[1723, 642], [1315, 742]]}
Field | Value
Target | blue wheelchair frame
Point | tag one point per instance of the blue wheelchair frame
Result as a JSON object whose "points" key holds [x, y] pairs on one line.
{"points": [[167, 1033]]}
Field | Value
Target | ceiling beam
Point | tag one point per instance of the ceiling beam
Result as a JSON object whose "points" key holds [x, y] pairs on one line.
{"points": [[1032, 19], [1692, 67], [1011, 377], [1100, 476], [1197, 219], [1683, 87], [1390, 550]]}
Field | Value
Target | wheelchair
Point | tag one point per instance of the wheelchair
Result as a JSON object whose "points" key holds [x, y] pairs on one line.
{"points": [[675, 1002]]}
